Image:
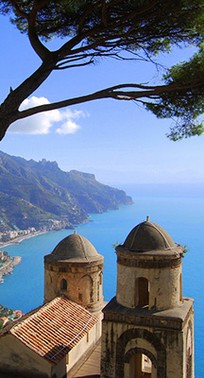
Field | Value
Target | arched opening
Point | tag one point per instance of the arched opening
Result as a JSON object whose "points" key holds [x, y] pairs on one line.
{"points": [[85, 293], [189, 354], [123, 359], [140, 363], [98, 286], [188, 364], [63, 284], [100, 278], [142, 292], [140, 366]]}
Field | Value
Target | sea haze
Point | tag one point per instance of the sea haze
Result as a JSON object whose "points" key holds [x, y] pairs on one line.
{"points": [[178, 209]]}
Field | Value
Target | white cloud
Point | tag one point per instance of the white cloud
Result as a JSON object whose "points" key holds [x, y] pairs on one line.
{"points": [[43, 123], [68, 127], [74, 114]]}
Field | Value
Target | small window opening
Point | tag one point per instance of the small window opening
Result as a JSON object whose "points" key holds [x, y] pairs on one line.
{"points": [[80, 297], [142, 292], [63, 284]]}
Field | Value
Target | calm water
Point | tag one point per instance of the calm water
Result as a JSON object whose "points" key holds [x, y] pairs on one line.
{"points": [[183, 218]]}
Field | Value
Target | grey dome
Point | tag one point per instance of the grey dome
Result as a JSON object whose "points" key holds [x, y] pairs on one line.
{"points": [[76, 248], [148, 236]]}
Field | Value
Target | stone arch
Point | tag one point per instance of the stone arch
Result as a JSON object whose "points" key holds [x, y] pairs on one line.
{"points": [[99, 283], [135, 333], [131, 352], [189, 350], [136, 362], [86, 289]]}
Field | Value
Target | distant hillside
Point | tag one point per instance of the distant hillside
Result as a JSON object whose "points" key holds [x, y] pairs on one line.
{"points": [[40, 194]]}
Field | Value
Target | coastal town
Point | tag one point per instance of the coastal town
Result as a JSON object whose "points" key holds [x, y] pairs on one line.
{"points": [[10, 236]]}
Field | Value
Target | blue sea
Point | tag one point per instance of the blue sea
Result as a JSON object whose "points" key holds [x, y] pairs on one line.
{"points": [[179, 210]]}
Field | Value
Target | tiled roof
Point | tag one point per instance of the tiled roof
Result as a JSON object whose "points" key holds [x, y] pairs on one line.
{"points": [[55, 328]]}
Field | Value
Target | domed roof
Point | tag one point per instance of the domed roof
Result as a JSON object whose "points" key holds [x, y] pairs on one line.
{"points": [[75, 248], [148, 236]]}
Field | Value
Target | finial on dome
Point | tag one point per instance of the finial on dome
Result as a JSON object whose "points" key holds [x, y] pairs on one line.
{"points": [[147, 219], [75, 232]]}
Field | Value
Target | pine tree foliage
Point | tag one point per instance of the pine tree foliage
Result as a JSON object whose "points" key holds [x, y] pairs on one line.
{"points": [[136, 30]]}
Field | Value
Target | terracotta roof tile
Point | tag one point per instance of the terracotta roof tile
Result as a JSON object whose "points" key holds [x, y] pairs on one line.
{"points": [[55, 328]]}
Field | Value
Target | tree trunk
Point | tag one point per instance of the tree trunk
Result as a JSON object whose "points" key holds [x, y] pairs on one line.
{"points": [[9, 109]]}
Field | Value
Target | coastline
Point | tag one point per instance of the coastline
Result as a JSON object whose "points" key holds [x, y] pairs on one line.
{"points": [[4, 270], [15, 260], [19, 239]]}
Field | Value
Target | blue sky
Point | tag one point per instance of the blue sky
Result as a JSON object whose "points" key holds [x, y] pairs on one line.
{"points": [[118, 141]]}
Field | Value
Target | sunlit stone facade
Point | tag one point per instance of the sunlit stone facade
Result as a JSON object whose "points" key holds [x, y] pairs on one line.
{"points": [[148, 327], [74, 269]]}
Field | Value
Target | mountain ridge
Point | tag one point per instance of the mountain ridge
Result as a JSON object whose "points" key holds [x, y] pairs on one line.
{"points": [[41, 195]]}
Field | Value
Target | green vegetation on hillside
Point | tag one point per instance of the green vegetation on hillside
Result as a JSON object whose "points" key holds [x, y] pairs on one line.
{"points": [[40, 194]]}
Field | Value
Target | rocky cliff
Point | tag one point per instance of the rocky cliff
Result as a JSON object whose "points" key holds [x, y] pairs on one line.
{"points": [[40, 194]]}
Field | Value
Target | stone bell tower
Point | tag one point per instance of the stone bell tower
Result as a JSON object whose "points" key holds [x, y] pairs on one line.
{"points": [[74, 269], [148, 328]]}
